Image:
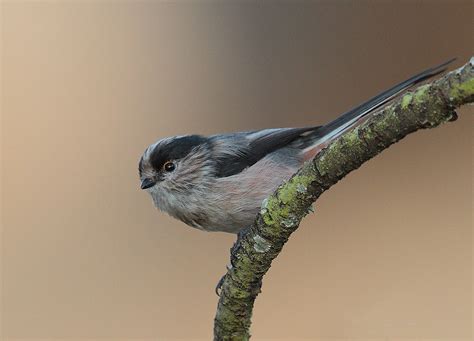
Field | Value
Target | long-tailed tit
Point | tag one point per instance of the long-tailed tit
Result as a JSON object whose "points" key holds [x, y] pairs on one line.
{"points": [[218, 183]]}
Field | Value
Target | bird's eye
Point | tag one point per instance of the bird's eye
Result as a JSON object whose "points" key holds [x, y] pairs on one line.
{"points": [[169, 166]]}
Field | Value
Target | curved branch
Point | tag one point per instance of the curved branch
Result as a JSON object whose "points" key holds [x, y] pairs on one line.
{"points": [[427, 106]]}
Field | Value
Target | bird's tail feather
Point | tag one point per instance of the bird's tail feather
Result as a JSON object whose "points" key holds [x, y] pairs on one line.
{"points": [[346, 120], [324, 134]]}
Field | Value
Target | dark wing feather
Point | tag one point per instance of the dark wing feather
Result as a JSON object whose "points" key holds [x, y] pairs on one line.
{"points": [[242, 150]]}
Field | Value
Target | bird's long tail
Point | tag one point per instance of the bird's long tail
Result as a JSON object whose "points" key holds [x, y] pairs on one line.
{"points": [[347, 120]]}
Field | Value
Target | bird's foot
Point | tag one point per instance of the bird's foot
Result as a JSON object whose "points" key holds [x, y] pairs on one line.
{"points": [[221, 281], [233, 256]]}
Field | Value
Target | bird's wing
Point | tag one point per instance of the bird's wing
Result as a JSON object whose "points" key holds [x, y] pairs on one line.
{"points": [[236, 152]]}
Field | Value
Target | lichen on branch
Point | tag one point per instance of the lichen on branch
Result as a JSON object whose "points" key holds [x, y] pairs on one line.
{"points": [[427, 106]]}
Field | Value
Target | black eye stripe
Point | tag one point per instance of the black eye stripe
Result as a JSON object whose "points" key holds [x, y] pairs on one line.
{"points": [[175, 149]]}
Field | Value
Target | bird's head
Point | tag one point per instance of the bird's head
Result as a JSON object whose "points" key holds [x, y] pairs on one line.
{"points": [[175, 165]]}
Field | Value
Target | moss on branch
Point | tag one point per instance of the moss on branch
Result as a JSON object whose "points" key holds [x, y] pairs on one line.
{"points": [[427, 106]]}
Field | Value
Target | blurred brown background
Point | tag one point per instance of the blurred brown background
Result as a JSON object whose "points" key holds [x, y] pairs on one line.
{"points": [[87, 85]]}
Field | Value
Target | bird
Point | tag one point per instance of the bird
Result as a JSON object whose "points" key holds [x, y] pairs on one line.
{"points": [[218, 182]]}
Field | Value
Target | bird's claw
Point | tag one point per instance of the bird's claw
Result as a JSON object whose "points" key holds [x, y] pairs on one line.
{"points": [[229, 266], [219, 286], [221, 281]]}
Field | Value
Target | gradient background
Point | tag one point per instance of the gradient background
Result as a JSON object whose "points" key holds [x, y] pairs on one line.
{"points": [[86, 86]]}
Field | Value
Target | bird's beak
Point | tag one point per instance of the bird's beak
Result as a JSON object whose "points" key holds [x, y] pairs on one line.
{"points": [[147, 183]]}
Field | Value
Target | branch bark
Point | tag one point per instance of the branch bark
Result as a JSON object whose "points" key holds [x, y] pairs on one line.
{"points": [[427, 106]]}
